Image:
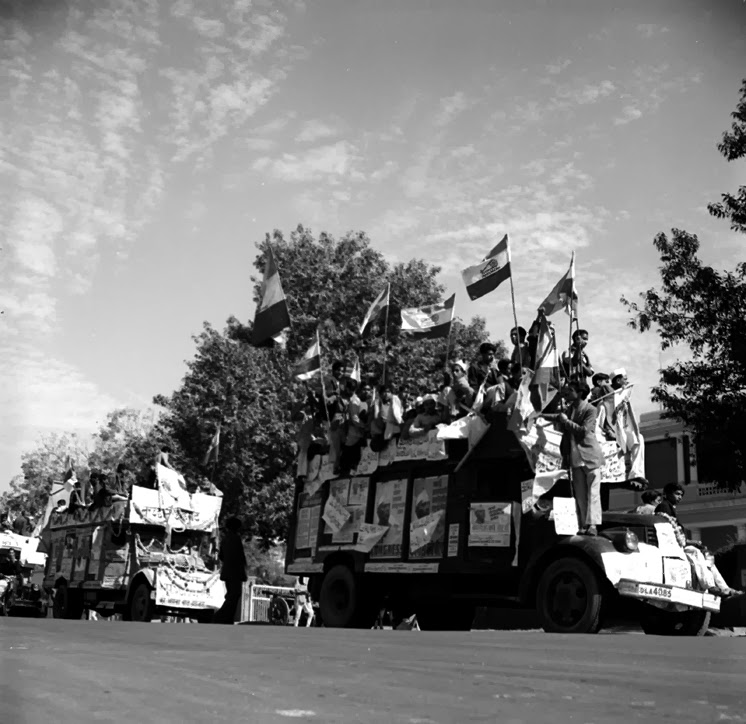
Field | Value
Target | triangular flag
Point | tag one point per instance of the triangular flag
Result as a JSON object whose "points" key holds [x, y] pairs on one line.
{"points": [[429, 322], [377, 311], [492, 271], [213, 451], [310, 363], [272, 316], [563, 296]]}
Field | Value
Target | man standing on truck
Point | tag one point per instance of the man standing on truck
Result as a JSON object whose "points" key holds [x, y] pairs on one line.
{"points": [[582, 452], [232, 571]]}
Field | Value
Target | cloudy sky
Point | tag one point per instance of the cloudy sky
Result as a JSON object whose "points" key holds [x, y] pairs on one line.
{"points": [[145, 146]]}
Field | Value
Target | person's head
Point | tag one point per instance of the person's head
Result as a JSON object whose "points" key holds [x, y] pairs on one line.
{"points": [[575, 391], [673, 492], [337, 368], [385, 392], [580, 338], [518, 335], [429, 404], [619, 378], [364, 391], [121, 468], [233, 524], [166, 449], [458, 370], [651, 497], [487, 352], [504, 367], [599, 379]]}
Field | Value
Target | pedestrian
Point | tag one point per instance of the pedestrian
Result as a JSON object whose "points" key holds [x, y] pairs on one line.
{"points": [[582, 452], [232, 570], [303, 602]]}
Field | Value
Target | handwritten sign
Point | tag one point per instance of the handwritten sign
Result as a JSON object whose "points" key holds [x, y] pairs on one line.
{"points": [[565, 516], [667, 543]]}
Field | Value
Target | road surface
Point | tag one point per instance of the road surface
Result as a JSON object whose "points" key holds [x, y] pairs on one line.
{"points": [[89, 671]]}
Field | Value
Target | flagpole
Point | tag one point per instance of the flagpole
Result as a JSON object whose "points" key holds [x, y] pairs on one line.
{"points": [[515, 314], [385, 334], [323, 384], [569, 339]]}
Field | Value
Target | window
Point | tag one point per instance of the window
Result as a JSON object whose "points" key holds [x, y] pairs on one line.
{"points": [[662, 462]]}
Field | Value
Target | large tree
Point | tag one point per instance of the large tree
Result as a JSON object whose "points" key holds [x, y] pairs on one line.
{"points": [[251, 393], [704, 309]]}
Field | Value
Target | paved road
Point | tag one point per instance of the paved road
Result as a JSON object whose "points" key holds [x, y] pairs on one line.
{"points": [[80, 671]]}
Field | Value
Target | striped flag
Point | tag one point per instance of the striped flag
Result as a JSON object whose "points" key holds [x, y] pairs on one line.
{"points": [[212, 452], [310, 363], [492, 271], [352, 371], [429, 322], [272, 316], [376, 312], [545, 382], [563, 296]]}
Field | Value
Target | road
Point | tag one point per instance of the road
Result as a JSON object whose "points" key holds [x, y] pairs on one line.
{"points": [[97, 671]]}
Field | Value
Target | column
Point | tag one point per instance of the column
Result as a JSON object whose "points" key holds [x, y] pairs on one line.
{"points": [[741, 532]]}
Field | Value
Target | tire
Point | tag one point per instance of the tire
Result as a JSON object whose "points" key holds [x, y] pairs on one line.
{"points": [[141, 608], [569, 598], [656, 622], [279, 611], [341, 602], [446, 617]]}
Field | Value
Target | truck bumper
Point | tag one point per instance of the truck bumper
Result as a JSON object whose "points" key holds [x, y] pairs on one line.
{"points": [[663, 593]]}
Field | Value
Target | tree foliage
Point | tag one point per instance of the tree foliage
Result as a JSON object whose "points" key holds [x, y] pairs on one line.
{"points": [[704, 309]]}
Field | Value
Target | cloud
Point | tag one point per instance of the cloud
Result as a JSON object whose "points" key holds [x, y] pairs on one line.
{"points": [[333, 160], [558, 66], [629, 114], [585, 94], [315, 130], [648, 30]]}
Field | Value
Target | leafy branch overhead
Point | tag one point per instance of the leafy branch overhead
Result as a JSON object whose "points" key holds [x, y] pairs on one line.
{"points": [[703, 309]]}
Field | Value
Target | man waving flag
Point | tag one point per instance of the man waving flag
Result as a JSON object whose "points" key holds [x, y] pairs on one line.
{"points": [[376, 312], [272, 316], [563, 296], [492, 271], [429, 322]]}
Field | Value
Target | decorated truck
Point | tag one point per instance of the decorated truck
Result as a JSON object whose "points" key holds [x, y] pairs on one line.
{"points": [[148, 556], [21, 572], [486, 517]]}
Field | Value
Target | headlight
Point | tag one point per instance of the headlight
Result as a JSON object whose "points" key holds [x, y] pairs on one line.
{"points": [[631, 541], [35, 587]]}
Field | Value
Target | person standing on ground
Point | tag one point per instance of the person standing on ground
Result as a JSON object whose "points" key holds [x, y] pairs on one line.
{"points": [[303, 602], [232, 570], [582, 452]]}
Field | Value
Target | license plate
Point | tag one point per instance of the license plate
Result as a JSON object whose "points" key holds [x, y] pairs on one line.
{"points": [[654, 591]]}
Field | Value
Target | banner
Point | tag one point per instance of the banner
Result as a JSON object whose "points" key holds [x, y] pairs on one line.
{"points": [[429, 447], [194, 512], [490, 525], [196, 589]]}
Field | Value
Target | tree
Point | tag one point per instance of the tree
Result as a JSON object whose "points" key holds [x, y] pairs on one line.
{"points": [[704, 309], [251, 393]]}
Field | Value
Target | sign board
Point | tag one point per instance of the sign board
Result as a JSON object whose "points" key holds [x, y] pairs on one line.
{"points": [[179, 589], [490, 525]]}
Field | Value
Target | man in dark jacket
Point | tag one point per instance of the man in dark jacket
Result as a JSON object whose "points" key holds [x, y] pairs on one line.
{"points": [[232, 571], [582, 452]]}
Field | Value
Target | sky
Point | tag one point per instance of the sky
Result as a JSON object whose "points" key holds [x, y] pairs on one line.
{"points": [[147, 145]]}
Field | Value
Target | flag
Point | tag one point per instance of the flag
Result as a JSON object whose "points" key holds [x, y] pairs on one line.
{"points": [[272, 316], [563, 296], [310, 364], [492, 271], [545, 382], [352, 371], [429, 322], [376, 312], [213, 450]]}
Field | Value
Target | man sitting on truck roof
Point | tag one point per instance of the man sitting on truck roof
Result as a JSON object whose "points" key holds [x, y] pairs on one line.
{"points": [[427, 419]]}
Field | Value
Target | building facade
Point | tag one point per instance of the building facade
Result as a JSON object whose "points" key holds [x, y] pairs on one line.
{"points": [[712, 515]]}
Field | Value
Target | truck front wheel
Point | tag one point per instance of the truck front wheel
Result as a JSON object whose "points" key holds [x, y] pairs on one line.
{"points": [[339, 598], [569, 598], [141, 605], [656, 622]]}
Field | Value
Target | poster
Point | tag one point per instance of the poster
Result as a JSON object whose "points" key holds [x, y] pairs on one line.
{"points": [[368, 462], [346, 533], [303, 528], [527, 495], [490, 524], [565, 514], [453, 534], [427, 527], [335, 514], [309, 515], [369, 534], [388, 454], [358, 494], [667, 543], [388, 511]]}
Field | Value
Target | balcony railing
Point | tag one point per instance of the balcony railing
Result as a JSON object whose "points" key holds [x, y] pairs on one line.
{"points": [[712, 490]]}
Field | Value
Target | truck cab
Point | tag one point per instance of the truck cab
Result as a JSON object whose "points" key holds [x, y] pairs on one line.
{"points": [[438, 528]]}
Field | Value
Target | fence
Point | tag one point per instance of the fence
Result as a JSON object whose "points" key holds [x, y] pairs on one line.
{"points": [[256, 598]]}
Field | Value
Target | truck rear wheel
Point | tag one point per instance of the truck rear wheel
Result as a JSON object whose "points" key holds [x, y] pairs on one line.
{"points": [[657, 622], [341, 600], [141, 605], [569, 598]]}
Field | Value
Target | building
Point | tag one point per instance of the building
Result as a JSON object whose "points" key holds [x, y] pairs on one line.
{"points": [[712, 515]]}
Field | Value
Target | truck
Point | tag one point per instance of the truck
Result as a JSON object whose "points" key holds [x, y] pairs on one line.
{"points": [[439, 527], [21, 592], [150, 555]]}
